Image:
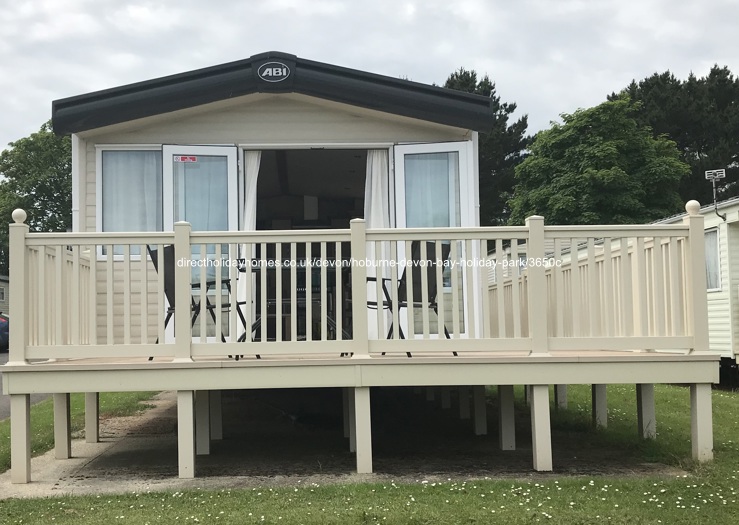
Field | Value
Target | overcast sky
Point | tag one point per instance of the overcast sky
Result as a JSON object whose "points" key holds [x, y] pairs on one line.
{"points": [[548, 56]]}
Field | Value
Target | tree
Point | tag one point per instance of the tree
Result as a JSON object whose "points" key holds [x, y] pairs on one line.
{"points": [[702, 116], [600, 166], [500, 149], [37, 177]]}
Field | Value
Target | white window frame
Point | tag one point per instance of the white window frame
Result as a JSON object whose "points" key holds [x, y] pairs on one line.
{"points": [[231, 154], [718, 259], [99, 149], [467, 212]]}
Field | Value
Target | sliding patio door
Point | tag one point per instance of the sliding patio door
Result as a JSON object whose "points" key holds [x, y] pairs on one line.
{"points": [[434, 188]]}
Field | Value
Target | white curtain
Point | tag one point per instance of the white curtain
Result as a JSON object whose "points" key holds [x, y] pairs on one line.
{"points": [[248, 218], [713, 272], [376, 215], [132, 191]]}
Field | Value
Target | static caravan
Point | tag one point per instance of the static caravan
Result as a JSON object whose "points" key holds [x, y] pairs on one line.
{"points": [[250, 225], [722, 276], [274, 142]]}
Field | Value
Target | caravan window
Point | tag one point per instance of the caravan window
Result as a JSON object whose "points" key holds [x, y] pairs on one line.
{"points": [[713, 264]]}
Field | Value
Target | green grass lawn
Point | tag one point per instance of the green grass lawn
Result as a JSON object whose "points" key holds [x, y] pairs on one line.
{"points": [[42, 419], [698, 494]]}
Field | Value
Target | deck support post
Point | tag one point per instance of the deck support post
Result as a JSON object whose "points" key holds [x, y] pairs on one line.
{"points": [[363, 429], [480, 410], [346, 411], [20, 438], [645, 414], [701, 422], [506, 418], [186, 433], [464, 402], [541, 432], [351, 408], [560, 397], [202, 422], [92, 417], [446, 397], [62, 427], [600, 406], [430, 394], [216, 415]]}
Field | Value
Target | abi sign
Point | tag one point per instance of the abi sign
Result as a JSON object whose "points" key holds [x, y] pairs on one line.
{"points": [[273, 72]]}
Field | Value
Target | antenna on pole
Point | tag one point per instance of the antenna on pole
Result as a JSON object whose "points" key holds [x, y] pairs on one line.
{"points": [[713, 176]]}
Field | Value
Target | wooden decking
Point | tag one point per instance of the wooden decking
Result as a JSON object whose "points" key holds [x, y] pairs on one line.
{"points": [[614, 304]]}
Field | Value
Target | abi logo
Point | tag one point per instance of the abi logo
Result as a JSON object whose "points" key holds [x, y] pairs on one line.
{"points": [[273, 72]]}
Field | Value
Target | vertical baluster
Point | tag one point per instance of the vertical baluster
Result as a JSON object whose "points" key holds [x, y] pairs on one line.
{"points": [[425, 272], [218, 289], [109, 279], [278, 291], [485, 282], [659, 288], [92, 290], [161, 309], [627, 299], [202, 296], [56, 314], [559, 290], [324, 293], [640, 302], [338, 298], [144, 295], [471, 310], [263, 293], [127, 294], [593, 301], [308, 292], [293, 292], [379, 296], [577, 296], [439, 270], [233, 292], [515, 273], [607, 288], [675, 298], [394, 289], [499, 287], [249, 282], [42, 299], [75, 308], [409, 290]]}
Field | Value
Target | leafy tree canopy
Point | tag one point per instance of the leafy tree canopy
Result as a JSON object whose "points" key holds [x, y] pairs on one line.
{"points": [[600, 166], [37, 177], [500, 149], [702, 116]]}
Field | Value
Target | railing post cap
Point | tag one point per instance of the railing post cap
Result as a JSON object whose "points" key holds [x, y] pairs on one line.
{"points": [[356, 221], [693, 207], [182, 223], [534, 218], [19, 215]]}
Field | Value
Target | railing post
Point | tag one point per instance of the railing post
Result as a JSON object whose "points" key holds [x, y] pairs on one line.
{"points": [[537, 286], [697, 277], [18, 288], [359, 288], [182, 310]]}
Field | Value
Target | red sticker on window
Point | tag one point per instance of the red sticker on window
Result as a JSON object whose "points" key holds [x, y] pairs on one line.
{"points": [[185, 158]]}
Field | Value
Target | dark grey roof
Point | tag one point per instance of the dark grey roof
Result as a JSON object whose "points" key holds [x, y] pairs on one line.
{"points": [[244, 77]]}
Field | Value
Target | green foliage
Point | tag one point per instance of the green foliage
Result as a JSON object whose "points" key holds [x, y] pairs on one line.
{"points": [[500, 149], [702, 116], [37, 177], [600, 166]]}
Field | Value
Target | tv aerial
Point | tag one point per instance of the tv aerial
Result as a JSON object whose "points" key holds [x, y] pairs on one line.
{"points": [[713, 176]]}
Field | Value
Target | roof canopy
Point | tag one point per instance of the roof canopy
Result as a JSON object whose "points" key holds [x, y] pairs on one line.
{"points": [[272, 72]]}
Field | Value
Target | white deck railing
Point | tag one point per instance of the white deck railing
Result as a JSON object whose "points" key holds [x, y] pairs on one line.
{"points": [[99, 295]]}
